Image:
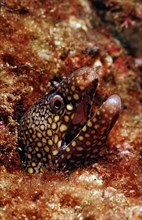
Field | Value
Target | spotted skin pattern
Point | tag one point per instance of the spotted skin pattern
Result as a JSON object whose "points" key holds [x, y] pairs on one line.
{"points": [[45, 129]]}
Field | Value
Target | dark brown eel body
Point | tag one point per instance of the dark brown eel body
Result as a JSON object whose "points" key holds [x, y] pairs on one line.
{"points": [[59, 131]]}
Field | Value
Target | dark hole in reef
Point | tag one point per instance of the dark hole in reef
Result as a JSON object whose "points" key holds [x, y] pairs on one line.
{"points": [[101, 5], [23, 11], [21, 70], [64, 55], [3, 120], [109, 78], [21, 152], [17, 68], [9, 59], [18, 111], [92, 51]]}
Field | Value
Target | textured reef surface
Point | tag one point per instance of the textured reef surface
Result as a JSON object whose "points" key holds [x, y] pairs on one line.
{"points": [[44, 41]]}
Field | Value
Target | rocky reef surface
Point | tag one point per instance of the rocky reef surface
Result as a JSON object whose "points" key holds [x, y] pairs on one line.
{"points": [[41, 40]]}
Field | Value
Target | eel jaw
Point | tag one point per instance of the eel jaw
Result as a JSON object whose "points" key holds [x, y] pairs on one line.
{"points": [[81, 115], [87, 144]]}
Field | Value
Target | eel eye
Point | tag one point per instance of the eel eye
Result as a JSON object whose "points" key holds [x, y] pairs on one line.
{"points": [[57, 103]]}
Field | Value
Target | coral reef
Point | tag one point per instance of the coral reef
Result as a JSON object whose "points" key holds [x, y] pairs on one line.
{"points": [[44, 40]]}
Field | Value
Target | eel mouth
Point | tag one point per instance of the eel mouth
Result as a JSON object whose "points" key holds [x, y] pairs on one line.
{"points": [[81, 115], [89, 79]]}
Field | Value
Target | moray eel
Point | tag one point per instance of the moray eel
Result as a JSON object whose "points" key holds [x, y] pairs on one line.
{"points": [[60, 131]]}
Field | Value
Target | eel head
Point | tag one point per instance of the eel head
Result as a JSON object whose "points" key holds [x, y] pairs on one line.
{"points": [[60, 131]]}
